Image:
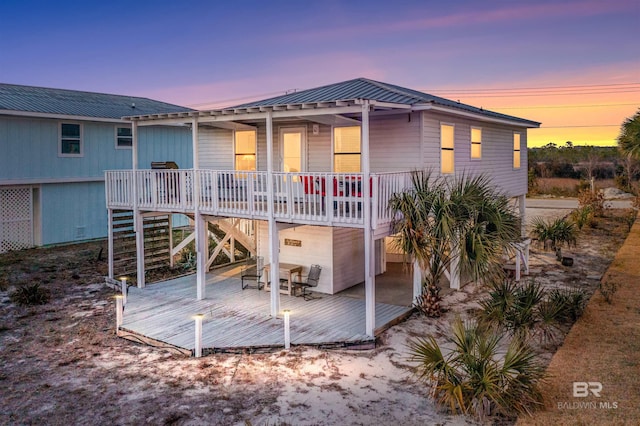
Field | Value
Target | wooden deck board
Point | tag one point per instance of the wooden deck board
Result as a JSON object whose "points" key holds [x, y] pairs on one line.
{"points": [[237, 319]]}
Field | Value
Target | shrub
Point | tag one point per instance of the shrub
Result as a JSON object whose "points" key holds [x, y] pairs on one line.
{"points": [[29, 295], [571, 303], [557, 232], [527, 310], [582, 216], [593, 200], [476, 376]]}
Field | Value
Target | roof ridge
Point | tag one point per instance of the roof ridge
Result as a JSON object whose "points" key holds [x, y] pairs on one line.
{"points": [[84, 92], [396, 89]]}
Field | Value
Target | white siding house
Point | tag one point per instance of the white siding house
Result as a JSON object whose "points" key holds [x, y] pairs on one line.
{"points": [[319, 169]]}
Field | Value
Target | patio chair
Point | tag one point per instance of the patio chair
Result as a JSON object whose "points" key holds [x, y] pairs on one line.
{"points": [[252, 270], [311, 281]]}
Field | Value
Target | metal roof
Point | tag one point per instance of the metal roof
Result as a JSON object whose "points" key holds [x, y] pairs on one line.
{"points": [[363, 88], [41, 100]]}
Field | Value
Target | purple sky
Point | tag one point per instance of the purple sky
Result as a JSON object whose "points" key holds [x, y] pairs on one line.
{"points": [[213, 53]]}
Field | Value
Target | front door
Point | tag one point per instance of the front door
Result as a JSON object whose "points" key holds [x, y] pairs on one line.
{"points": [[293, 147]]}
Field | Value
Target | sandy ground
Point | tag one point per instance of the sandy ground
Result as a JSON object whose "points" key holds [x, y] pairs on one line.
{"points": [[61, 363]]}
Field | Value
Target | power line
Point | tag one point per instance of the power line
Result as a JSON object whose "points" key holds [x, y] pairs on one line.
{"points": [[574, 127], [566, 106], [577, 87]]}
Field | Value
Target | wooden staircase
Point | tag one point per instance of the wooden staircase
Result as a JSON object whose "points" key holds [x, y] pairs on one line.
{"points": [[156, 242]]}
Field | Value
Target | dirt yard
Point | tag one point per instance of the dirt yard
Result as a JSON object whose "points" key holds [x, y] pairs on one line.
{"points": [[60, 363]]}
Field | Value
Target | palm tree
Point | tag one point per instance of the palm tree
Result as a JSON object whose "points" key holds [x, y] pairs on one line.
{"points": [[629, 138], [459, 219], [471, 373]]}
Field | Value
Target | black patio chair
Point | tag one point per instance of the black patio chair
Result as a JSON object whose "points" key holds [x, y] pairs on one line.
{"points": [[252, 271], [310, 282]]}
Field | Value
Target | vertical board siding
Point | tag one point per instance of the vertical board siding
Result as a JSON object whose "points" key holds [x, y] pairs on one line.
{"points": [[497, 151], [215, 149], [316, 248], [164, 143], [30, 149], [348, 257], [73, 212], [395, 142]]}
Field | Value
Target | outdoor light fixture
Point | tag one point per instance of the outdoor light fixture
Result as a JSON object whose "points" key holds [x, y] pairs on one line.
{"points": [[197, 351], [123, 286], [119, 309], [287, 334]]}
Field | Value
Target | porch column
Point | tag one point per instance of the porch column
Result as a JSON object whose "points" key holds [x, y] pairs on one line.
{"points": [[274, 241], [138, 225], [202, 246], [369, 248], [110, 241]]}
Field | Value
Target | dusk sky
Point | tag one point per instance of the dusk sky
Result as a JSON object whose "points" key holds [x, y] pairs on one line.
{"points": [[572, 65]]}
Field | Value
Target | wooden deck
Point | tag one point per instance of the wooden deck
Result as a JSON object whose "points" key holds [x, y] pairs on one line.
{"points": [[238, 320]]}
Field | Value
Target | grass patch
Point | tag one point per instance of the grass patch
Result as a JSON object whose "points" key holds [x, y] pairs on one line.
{"points": [[31, 295], [601, 347]]}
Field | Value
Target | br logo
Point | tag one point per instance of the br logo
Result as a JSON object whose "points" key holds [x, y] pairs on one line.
{"points": [[583, 389]]}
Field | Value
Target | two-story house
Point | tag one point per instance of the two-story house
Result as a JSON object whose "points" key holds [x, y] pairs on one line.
{"points": [[316, 170], [55, 146]]}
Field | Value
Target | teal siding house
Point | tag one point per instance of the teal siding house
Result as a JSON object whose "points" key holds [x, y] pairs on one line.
{"points": [[54, 148]]}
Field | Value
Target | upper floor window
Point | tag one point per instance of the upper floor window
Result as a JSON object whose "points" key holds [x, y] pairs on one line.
{"points": [[70, 140], [447, 159], [346, 149], [124, 137], [245, 150], [516, 150], [476, 142]]}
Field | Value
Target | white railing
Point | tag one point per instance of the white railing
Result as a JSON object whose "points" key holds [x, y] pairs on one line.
{"points": [[322, 198], [387, 184]]}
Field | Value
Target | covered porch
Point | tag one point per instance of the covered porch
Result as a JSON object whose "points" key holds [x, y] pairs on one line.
{"points": [[162, 314]]}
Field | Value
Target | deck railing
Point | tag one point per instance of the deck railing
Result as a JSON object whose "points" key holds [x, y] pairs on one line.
{"points": [[304, 197]]}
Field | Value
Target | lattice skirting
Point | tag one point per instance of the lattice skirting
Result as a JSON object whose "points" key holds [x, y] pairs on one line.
{"points": [[16, 219]]}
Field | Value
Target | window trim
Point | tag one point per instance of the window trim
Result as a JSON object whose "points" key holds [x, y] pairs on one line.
{"points": [[472, 128], [116, 137], [519, 151], [80, 140], [333, 148], [452, 149], [255, 149]]}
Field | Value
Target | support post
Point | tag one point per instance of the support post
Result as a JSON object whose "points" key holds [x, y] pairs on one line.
{"points": [[287, 331], [138, 224], [197, 351], [123, 288], [274, 239], [171, 262], [202, 240], [119, 312], [138, 221], [369, 243], [110, 241]]}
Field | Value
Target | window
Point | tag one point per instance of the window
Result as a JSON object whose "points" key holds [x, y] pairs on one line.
{"points": [[245, 150], [447, 159], [476, 142], [70, 140], [346, 149], [124, 138], [516, 150]]}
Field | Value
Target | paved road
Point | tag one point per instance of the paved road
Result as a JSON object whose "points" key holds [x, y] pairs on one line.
{"points": [[570, 203]]}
